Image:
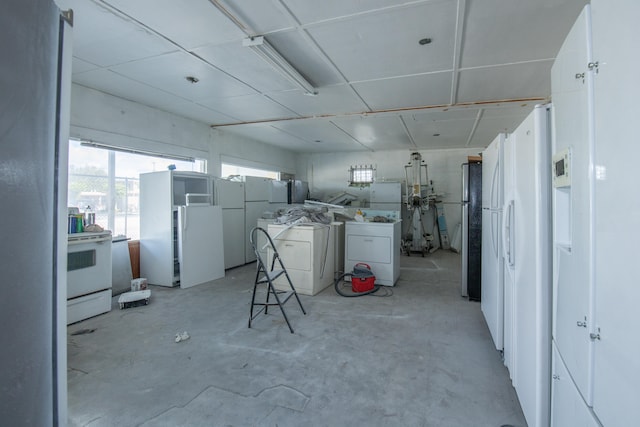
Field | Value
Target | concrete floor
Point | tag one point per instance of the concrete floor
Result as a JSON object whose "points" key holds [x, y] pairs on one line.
{"points": [[422, 357]]}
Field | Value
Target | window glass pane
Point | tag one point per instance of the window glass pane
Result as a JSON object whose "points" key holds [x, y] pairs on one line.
{"points": [[228, 170], [89, 184]]}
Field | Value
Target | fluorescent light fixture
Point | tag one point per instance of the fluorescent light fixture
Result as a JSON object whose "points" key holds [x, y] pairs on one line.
{"points": [[260, 46], [134, 151]]}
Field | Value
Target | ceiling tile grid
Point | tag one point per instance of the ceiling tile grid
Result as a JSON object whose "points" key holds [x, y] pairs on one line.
{"points": [[378, 88]]}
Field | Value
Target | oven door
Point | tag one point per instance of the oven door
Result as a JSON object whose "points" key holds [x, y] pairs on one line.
{"points": [[88, 266]]}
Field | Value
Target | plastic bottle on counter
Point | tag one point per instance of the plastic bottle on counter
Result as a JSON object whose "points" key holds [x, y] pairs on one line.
{"points": [[89, 216]]}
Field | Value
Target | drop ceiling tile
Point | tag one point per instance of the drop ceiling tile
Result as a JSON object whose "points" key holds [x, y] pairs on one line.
{"points": [[489, 127], [128, 46], [245, 65], [80, 66], [269, 135], [249, 108], [190, 24], [376, 132], [320, 135], [433, 115], [406, 92], [198, 112], [168, 72], [507, 31], [338, 99], [307, 12], [429, 134], [383, 45], [104, 38], [528, 80], [261, 17], [320, 131], [117, 85]]}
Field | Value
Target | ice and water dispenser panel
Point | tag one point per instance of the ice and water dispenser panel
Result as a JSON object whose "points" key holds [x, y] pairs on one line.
{"points": [[562, 173]]}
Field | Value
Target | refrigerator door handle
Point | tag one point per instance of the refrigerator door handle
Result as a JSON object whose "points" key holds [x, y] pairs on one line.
{"points": [[494, 234], [494, 184], [507, 227]]}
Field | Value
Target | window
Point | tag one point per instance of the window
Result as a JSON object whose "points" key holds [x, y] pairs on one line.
{"points": [[229, 169], [361, 175], [108, 181]]}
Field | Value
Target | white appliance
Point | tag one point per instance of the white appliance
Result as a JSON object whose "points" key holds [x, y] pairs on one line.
{"points": [[471, 267], [229, 195], [298, 191], [492, 291], [257, 191], [385, 196], [376, 244], [181, 240], [88, 275], [278, 192], [526, 236], [307, 252], [596, 218]]}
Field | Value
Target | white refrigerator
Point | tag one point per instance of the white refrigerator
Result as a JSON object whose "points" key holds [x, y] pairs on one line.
{"points": [[526, 238], [386, 196], [492, 291], [229, 195], [180, 229], [257, 192], [596, 218]]}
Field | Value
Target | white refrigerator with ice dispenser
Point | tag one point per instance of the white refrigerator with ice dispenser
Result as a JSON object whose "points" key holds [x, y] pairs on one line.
{"points": [[492, 291], [526, 239]]}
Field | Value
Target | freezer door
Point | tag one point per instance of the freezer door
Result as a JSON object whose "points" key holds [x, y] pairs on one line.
{"points": [[200, 247], [229, 194], [492, 301], [465, 248], [492, 174]]}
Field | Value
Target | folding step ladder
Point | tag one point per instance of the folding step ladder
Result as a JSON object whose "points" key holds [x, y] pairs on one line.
{"points": [[266, 277]]}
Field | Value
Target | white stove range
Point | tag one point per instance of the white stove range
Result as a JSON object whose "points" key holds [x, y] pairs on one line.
{"points": [[88, 275]]}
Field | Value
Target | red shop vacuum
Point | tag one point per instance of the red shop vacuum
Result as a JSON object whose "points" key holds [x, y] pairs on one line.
{"points": [[362, 281]]}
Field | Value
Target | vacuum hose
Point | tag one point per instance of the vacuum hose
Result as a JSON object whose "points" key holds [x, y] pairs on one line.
{"points": [[336, 285]]}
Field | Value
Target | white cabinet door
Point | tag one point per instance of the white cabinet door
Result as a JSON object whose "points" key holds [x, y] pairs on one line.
{"points": [[617, 353], [573, 222], [567, 406]]}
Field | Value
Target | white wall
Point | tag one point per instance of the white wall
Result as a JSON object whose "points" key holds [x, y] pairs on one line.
{"points": [[107, 119], [328, 173], [99, 117], [229, 148]]}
